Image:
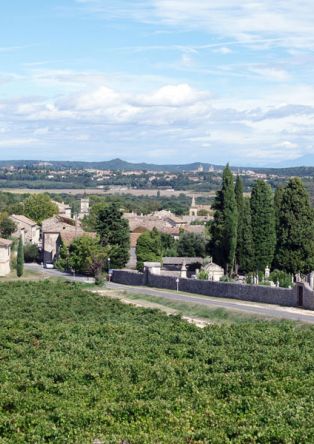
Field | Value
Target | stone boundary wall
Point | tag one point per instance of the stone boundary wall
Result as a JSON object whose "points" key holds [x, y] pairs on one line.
{"points": [[252, 293], [127, 277]]}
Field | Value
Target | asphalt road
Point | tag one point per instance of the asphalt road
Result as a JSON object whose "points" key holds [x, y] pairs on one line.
{"points": [[56, 273], [249, 308]]}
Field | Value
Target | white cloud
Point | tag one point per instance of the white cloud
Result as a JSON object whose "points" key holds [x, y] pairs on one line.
{"points": [[41, 131], [223, 50], [268, 73], [137, 10], [281, 22], [18, 142], [173, 95], [102, 97], [178, 122], [246, 20], [288, 145]]}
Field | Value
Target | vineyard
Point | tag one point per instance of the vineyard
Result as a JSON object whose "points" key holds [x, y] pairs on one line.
{"points": [[79, 368]]}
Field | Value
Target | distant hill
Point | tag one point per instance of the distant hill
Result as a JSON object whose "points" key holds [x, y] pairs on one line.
{"points": [[118, 164], [114, 164]]}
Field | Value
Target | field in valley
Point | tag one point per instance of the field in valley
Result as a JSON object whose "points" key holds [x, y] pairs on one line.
{"points": [[77, 367], [97, 191]]}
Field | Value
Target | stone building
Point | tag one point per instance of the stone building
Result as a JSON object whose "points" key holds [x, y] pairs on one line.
{"points": [[215, 272], [196, 209], [181, 266], [163, 221], [26, 228], [57, 230], [170, 218], [196, 229], [5, 256], [64, 210], [84, 208]]}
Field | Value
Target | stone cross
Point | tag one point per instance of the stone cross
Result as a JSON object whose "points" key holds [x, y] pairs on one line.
{"points": [[267, 273], [183, 270]]}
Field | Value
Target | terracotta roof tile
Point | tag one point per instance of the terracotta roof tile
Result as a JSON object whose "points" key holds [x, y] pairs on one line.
{"points": [[69, 236], [23, 219]]}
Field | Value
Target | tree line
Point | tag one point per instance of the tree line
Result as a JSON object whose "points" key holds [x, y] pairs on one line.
{"points": [[267, 229], [153, 245]]}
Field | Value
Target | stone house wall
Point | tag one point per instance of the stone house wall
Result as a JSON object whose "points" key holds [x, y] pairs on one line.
{"points": [[5, 257], [29, 231]]}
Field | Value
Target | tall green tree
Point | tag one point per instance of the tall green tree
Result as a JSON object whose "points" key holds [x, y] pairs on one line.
{"points": [[168, 245], [295, 230], [20, 259], [240, 202], [148, 248], [238, 189], [39, 207], [7, 226], [245, 247], [277, 203], [225, 224], [89, 222], [87, 256], [263, 224], [191, 245], [114, 232]]}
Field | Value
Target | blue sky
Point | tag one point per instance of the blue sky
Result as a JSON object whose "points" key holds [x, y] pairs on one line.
{"points": [[163, 81]]}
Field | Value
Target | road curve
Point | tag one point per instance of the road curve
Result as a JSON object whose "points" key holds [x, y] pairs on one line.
{"points": [[249, 308]]}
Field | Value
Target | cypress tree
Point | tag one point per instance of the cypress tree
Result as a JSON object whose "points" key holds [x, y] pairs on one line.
{"points": [[224, 227], [20, 259], [238, 189], [245, 248], [277, 203], [240, 201], [263, 224], [295, 230], [216, 230]]}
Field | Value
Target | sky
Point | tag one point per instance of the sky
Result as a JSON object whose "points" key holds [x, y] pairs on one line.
{"points": [[160, 81]]}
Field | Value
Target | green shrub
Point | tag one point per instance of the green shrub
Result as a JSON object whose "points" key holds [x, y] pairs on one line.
{"points": [[225, 278], [61, 264], [31, 253], [202, 275], [284, 279], [100, 279], [261, 278]]}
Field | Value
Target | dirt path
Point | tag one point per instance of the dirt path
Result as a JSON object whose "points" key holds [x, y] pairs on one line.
{"points": [[249, 308]]}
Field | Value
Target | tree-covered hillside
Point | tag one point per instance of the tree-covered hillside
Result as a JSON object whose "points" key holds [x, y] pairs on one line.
{"points": [[79, 368], [119, 164]]}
